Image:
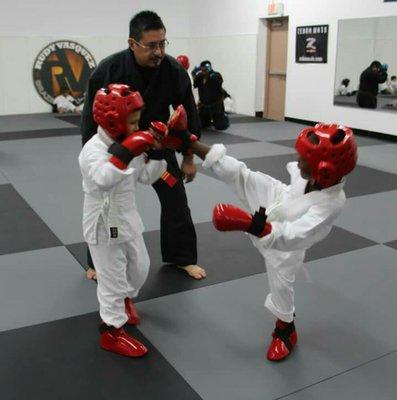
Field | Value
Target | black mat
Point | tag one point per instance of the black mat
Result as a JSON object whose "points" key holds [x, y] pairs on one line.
{"points": [[21, 228], [41, 133], [383, 102], [231, 258], [36, 364], [74, 119], [225, 255], [211, 137], [392, 244], [362, 181], [337, 242]]}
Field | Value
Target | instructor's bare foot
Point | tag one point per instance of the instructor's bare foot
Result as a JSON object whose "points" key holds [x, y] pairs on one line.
{"points": [[194, 271], [90, 273]]}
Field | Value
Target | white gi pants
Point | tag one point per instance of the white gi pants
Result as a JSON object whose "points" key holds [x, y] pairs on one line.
{"points": [[281, 266], [122, 270]]}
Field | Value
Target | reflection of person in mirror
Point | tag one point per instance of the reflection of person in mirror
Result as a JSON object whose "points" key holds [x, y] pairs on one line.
{"points": [[370, 79], [385, 87], [393, 84], [343, 88]]}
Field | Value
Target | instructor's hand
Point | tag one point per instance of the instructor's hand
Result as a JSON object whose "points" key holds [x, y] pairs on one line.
{"points": [[188, 169]]}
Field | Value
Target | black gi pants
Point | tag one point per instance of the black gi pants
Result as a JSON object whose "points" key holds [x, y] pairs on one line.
{"points": [[366, 100], [178, 235], [213, 114]]}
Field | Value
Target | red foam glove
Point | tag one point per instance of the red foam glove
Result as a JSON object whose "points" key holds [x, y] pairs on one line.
{"points": [[176, 136], [227, 217], [132, 146]]}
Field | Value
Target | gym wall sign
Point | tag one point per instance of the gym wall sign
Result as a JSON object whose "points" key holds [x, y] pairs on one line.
{"points": [[61, 65], [311, 44]]}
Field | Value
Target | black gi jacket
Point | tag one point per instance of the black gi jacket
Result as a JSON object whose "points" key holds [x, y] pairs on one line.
{"points": [[169, 84], [211, 91], [368, 89]]}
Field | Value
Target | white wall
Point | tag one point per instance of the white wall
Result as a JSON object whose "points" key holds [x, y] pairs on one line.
{"points": [[102, 27], [310, 87], [17, 54], [86, 18], [230, 34]]}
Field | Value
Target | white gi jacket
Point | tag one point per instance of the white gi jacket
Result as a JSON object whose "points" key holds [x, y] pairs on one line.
{"points": [[65, 102], [298, 220], [109, 192]]}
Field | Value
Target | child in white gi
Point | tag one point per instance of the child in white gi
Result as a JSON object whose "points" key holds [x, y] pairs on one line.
{"points": [[111, 163], [65, 103], [287, 219]]}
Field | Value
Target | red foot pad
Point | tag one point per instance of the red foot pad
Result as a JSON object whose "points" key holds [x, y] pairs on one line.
{"points": [[284, 340], [119, 342], [132, 313]]}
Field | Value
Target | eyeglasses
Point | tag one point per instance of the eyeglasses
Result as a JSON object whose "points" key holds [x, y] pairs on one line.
{"points": [[162, 44]]}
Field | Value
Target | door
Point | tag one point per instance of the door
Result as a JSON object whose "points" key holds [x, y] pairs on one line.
{"points": [[276, 68]]}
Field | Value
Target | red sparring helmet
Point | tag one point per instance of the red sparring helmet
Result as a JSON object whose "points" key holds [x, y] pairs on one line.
{"points": [[330, 150], [184, 61], [112, 107]]}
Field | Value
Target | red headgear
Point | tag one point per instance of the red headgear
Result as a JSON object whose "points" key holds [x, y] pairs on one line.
{"points": [[184, 61], [330, 150], [112, 107]]}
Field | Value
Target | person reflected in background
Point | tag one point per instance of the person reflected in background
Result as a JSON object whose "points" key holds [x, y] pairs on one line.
{"points": [[211, 96], [385, 87], [370, 79], [393, 84], [343, 88]]}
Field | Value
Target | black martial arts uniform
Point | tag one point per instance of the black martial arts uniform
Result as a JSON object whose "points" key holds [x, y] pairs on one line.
{"points": [[211, 96], [368, 89], [169, 84]]}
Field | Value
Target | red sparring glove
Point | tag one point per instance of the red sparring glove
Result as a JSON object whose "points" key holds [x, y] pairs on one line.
{"points": [[177, 136], [133, 145], [227, 217]]}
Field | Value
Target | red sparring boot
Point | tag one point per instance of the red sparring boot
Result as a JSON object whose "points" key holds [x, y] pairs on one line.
{"points": [[132, 313], [118, 341], [284, 340]]}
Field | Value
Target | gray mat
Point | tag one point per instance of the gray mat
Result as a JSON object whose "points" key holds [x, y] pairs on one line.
{"points": [[225, 338]]}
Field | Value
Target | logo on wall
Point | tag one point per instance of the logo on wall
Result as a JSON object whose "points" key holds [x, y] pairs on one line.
{"points": [[62, 65], [311, 44]]}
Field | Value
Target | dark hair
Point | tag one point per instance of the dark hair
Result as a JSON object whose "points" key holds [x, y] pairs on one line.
{"points": [[376, 64], [393, 77], [144, 21], [202, 64], [346, 82]]}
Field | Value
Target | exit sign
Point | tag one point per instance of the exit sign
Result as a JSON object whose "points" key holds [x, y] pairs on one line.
{"points": [[275, 8]]}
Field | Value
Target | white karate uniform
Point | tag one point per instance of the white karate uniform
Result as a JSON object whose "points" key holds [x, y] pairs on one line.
{"points": [[342, 90], [112, 226], [65, 102], [298, 220]]}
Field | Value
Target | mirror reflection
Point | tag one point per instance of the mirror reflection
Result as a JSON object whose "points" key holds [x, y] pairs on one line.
{"points": [[366, 64]]}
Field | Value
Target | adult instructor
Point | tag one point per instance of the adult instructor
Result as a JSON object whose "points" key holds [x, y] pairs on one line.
{"points": [[162, 83]]}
